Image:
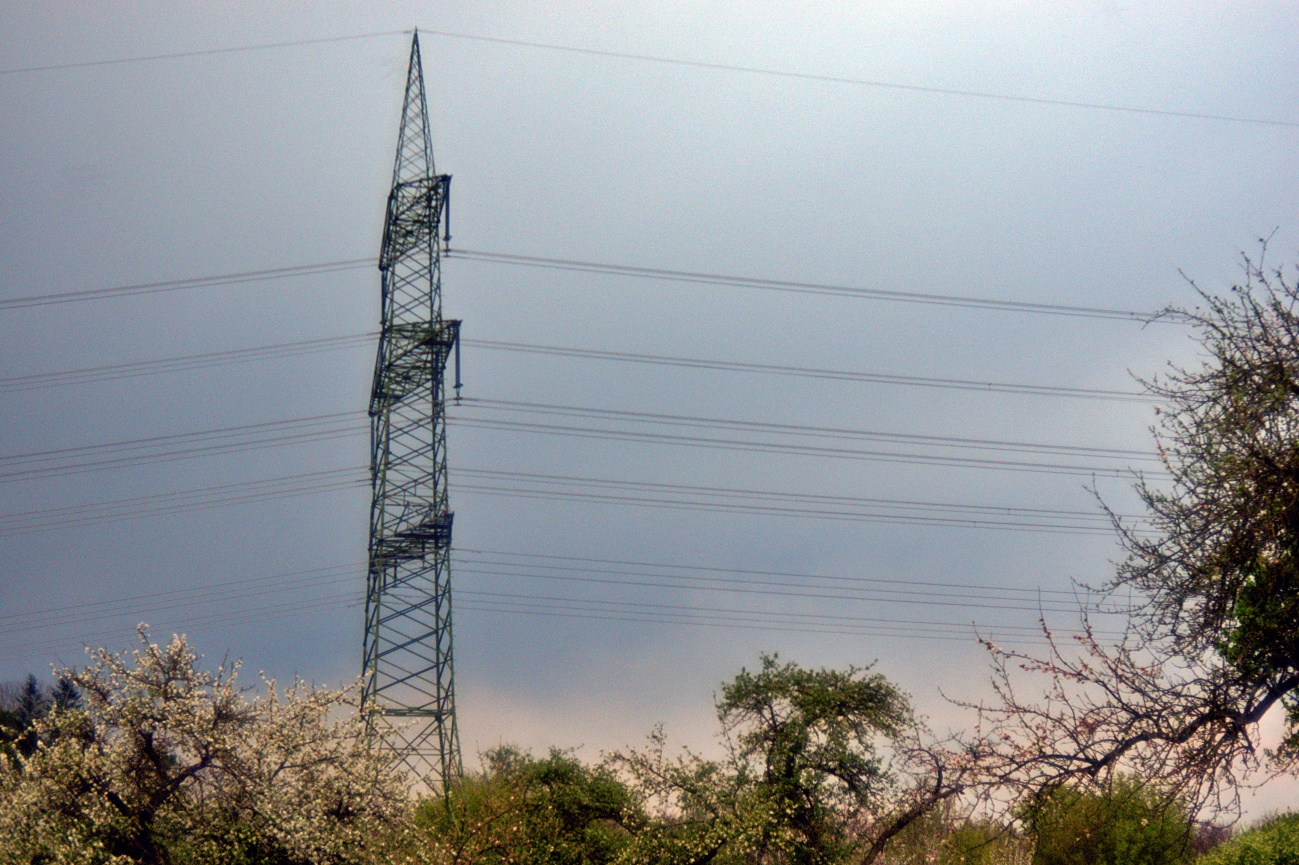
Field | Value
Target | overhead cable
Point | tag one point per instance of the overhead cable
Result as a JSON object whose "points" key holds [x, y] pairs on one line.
{"points": [[671, 61], [351, 341], [701, 615], [786, 448], [863, 82], [201, 52], [180, 501], [803, 429], [169, 285], [257, 436], [609, 269], [816, 288], [334, 577], [808, 372], [531, 485], [181, 363]]}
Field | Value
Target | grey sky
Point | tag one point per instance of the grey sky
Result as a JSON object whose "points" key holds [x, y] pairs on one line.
{"points": [[132, 173]]}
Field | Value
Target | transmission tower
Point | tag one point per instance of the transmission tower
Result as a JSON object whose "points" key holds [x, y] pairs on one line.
{"points": [[408, 686]]}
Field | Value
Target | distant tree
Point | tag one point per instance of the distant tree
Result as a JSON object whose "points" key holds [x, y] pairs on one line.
{"points": [[160, 762], [529, 811], [21, 705], [31, 702], [66, 695], [822, 766], [1211, 583]]}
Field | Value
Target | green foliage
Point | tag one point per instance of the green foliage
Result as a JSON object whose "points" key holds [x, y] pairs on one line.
{"points": [[1127, 824], [522, 810], [943, 838], [812, 733], [1275, 842], [803, 770], [974, 843]]}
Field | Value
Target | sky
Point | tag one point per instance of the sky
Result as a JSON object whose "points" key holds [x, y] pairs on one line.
{"points": [[585, 615]]}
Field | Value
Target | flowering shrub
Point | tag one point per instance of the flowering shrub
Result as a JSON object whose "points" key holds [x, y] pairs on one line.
{"points": [[166, 763]]}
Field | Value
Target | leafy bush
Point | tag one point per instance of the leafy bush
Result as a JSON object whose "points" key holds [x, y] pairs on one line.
{"points": [[1275, 842], [518, 809], [943, 837], [1127, 824], [804, 778]]}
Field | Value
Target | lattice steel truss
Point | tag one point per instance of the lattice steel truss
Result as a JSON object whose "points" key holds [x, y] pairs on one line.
{"points": [[408, 682]]}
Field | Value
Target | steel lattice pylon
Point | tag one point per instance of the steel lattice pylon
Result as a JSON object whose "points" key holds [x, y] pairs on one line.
{"points": [[408, 684]]}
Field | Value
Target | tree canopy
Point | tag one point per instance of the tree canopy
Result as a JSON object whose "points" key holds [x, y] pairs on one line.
{"points": [[1210, 579], [821, 766]]}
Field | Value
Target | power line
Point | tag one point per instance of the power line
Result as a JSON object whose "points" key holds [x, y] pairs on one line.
{"points": [[672, 61], [169, 285], [296, 582], [747, 493], [300, 347], [808, 372], [181, 363], [311, 483], [607, 269], [33, 460], [581, 569], [863, 82], [583, 563], [179, 446], [787, 448], [709, 614], [260, 613], [785, 504], [803, 429], [994, 601], [62, 461], [203, 52], [572, 611], [731, 623], [570, 568], [838, 515], [1001, 600], [583, 607], [644, 494], [257, 436], [143, 604], [806, 587], [815, 288], [180, 501]]}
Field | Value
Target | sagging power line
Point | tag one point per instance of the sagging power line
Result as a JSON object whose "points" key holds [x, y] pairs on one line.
{"points": [[574, 610], [583, 569], [329, 577], [608, 491], [511, 565], [182, 363], [60, 462], [670, 61], [609, 269]]}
